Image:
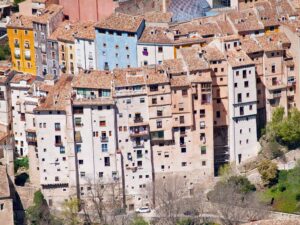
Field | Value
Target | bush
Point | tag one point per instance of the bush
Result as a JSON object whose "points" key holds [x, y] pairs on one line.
{"points": [[282, 188], [21, 163], [243, 184], [268, 171]]}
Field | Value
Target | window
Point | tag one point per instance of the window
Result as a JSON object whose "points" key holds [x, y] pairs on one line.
{"points": [[22, 116], [58, 140], [181, 119], [159, 112], [106, 161], [273, 69], [239, 96], [160, 49], [100, 174], [154, 101], [159, 124], [78, 148], [78, 110], [102, 123], [184, 92], [57, 126], [183, 150], [241, 111], [203, 163], [104, 147], [62, 150], [80, 162], [82, 174], [153, 88], [183, 164], [218, 114], [203, 150], [246, 84], [56, 178], [142, 100], [78, 122], [244, 73], [250, 107], [139, 163], [202, 113]]}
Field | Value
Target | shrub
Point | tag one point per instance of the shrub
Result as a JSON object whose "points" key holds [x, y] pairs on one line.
{"points": [[282, 188], [297, 197], [243, 184], [268, 171], [21, 163]]}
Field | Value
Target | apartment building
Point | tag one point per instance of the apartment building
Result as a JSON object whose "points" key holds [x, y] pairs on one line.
{"points": [[116, 41], [134, 135], [95, 128], [242, 101], [56, 152], [85, 48], [20, 85], [63, 42], [154, 46], [21, 42], [44, 25]]}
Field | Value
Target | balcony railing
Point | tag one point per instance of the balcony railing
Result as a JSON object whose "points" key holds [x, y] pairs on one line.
{"points": [[138, 145], [59, 143], [139, 133]]}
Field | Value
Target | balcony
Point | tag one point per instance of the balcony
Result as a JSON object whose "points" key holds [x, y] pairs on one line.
{"points": [[27, 57], [139, 133], [138, 119], [17, 56], [138, 145], [17, 45], [31, 137], [274, 94], [104, 139]]}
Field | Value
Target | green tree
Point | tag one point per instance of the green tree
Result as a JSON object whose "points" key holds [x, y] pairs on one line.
{"points": [[21, 163], [139, 221], [242, 183], [268, 171]]}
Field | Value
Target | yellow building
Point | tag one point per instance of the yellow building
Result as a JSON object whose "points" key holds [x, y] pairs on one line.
{"points": [[21, 42]]}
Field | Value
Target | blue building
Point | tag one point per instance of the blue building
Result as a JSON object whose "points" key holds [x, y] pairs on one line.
{"points": [[116, 41]]}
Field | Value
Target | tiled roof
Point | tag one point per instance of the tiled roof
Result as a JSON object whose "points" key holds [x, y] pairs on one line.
{"points": [[238, 58], [19, 21], [273, 41], [174, 66], [59, 96], [48, 13], [129, 77], [180, 81], [267, 14], [93, 80], [245, 20], [158, 35], [192, 59], [158, 17], [121, 22], [155, 77], [250, 45], [22, 77], [212, 53]]}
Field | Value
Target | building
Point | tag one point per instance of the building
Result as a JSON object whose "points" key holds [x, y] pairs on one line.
{"points": [[133, 135], [242, 100], [19, 85], [85, 48], [95, 128], [155, 45], [33, 7], [44, 25], [116, 41], [88, 10], [21, 42]]}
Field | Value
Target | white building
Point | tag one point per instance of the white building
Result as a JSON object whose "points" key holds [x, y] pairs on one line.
{"points": [[154, 46], [55, 144], [85, 49], [242, 98], [20, 84], [95, 130]]}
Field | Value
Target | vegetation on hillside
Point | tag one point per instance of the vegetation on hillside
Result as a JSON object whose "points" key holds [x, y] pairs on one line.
{"points": [[268, 171], [21, 163], [284, 196]]}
